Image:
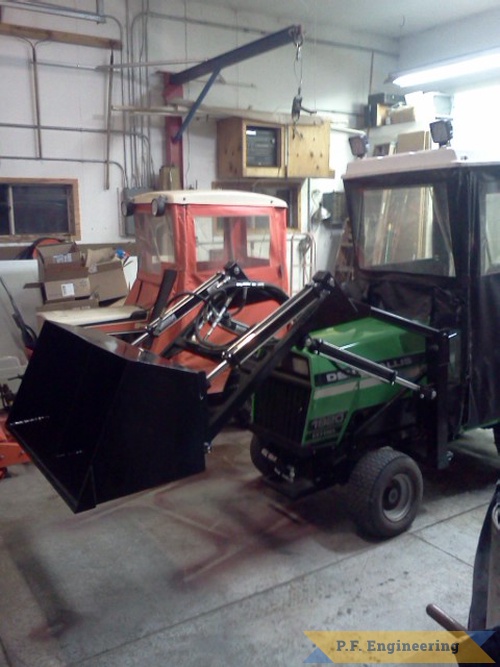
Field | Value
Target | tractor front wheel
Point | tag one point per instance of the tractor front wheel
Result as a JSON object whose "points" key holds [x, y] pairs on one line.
{"points": [[385, 492], [261, 458]]}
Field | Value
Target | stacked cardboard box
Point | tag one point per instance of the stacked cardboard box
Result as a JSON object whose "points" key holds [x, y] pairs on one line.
{"points": [[71, 278], [107, 280], [62, 272]]}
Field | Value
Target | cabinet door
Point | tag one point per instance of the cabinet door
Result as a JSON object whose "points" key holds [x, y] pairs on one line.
{"points": [[309, 151]]}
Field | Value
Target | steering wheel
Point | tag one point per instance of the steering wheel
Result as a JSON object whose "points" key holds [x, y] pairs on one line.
{"points": [[222, 307], [216, 314]]}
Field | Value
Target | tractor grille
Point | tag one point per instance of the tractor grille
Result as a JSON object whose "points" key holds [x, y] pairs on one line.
{"points": [[281, 407]]}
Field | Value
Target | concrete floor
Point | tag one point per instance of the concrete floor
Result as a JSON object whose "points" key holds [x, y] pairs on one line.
{"points": [[221, 570]]}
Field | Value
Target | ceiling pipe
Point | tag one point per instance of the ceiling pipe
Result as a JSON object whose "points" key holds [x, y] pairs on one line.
{"points": [[47, 8]]}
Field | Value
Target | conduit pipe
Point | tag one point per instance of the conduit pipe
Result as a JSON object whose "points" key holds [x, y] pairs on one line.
{"points": [[37, 100], [108, 120], [57, 128], [57, 10], [67, 159], [248, 31]]}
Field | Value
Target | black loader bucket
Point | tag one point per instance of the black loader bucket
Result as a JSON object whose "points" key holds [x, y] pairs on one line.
{"points": [[103, 419]]}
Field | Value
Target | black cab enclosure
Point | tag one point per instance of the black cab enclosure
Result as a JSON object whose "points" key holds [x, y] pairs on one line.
{"points": [[426, 246]]}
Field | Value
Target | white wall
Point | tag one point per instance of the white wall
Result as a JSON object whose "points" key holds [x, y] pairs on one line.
{"points": [[73, 99], [475, 120], [336, 81]]}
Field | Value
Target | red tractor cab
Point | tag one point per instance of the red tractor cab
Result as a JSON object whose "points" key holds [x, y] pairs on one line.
{"points": [[183, 237], [197, 232]]}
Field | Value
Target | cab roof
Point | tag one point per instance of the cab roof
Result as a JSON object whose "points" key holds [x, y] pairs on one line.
{"points": [[442, 158], [214, 197]]}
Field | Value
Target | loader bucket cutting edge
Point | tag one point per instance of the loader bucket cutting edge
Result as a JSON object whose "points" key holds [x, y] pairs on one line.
{"points": [[103, 419]]}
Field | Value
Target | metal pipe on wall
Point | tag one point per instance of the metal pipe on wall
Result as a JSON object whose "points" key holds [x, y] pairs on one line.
{"points": [[39, 127], [80, 130], [108, 120], [37, 101], [248, 30], [36, 94], [67, 159], [57, 10]]}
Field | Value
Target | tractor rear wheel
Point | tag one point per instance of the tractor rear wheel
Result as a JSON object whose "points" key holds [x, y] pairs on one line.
{"points": [[385, 492]]}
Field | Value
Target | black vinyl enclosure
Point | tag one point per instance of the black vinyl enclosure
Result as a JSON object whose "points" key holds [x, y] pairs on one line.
{"points": [[427, 247]]}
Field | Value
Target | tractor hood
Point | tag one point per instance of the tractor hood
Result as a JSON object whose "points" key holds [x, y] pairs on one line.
{"points": [[374, 339], [310, 400], [339, 393]]}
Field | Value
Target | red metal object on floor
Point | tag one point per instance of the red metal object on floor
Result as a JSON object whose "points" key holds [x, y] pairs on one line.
{"points": [[11, 453]]}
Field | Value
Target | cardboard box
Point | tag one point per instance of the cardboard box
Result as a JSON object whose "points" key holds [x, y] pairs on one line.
{"points": [[58, 260], [74, 287], [55, 253], [403, 115], [413, 141], [376, 115], [107, 281]]}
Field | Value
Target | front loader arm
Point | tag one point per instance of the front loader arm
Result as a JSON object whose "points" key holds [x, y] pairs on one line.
{"points": [[251, 358]]}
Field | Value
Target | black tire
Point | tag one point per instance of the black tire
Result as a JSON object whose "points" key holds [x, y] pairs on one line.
{"points": [[496, 436], [263, 464], [385, 492]]}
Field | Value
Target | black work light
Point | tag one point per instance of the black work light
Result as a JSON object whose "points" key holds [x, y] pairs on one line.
{"points": [[158, 207], [359, 145], [127, 207], [441, 132]]}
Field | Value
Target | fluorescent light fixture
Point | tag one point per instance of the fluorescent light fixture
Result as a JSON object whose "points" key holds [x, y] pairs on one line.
{"points": [[448, 70]]}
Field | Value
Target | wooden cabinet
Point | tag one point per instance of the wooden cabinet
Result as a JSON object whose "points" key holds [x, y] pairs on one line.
{"points": [[249, 149], [308, 151]]}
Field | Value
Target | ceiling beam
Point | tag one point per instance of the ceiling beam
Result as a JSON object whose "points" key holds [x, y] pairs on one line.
{"points": [[40, 34]]}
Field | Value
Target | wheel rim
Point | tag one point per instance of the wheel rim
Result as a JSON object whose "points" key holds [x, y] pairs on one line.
{"points": [[398, 498]]}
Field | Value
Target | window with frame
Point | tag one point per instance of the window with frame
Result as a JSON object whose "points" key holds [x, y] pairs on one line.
{"points": [[405, 228], [31, 208], [245, 239]]}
